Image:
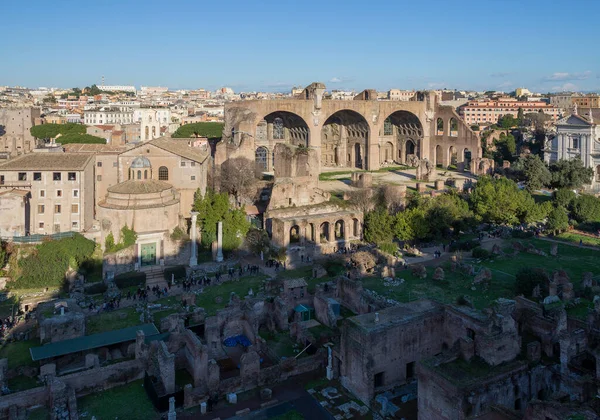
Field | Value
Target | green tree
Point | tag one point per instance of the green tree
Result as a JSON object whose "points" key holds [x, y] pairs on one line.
{"points": [[46, 131], [558, 220], [378, 226], [536, 173], [499, 201], [520, 117], [564, 197], [586, 208], [570, 174], [212, 130], [506, 147], [73, 138], [507, 122], [215, 207]]}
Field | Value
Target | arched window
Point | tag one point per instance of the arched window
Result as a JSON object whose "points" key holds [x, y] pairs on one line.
{"points": [[163, 173], [153, 131], [453, 127], [278, 132], [260, 157], [145, 173], [388, 130], [440, 127], [139, 173], [146, 132]]}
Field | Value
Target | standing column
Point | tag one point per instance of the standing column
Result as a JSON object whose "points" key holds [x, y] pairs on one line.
{"points": [[194, 251], [220, 241]]}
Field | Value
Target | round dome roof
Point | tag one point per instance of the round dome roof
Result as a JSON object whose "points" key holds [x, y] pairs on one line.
{"points": [[140, 162]]}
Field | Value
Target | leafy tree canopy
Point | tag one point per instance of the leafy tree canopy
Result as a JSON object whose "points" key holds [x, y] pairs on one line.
{"points": [[499, 201], [586, 208], [214, 207], [212, 130], [80, 139], [558, 220], [570, 174], [46, 131], [536, 173]]}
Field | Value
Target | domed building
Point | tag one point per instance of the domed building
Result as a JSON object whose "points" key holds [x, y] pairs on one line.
{"points": [[154, 194]]}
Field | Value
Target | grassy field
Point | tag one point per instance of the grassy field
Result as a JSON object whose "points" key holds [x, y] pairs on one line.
{"points": [[574, 260], [125, 402], [281, 343], [575, 238], [18, 353], [207, 298], [114, 320], [22, 383]]}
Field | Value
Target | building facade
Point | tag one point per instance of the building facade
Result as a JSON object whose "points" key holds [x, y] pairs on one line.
{"points": [[577, 137], [108, 115], [15, 138], [61, 188], [488, 112]]}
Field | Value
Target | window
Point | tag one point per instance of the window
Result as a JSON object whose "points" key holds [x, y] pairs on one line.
{"points": [[41, 225], [37, 176], [98, 177], [22, 176], [193, 163], [99, 164], [41, 209], [59, 193], [387, 127], [182, 164], [378, 379], [278, 132], [163, 173], [42, 193], [57, 208], [575, 143], [410, 370], [75, 225], [75, 193], [72, 176], [193, 177], [114, 164], [1, 179], [75, 208], [56, 176]]}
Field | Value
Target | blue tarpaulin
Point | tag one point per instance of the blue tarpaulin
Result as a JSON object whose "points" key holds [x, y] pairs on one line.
{"points": [[237, 339]]}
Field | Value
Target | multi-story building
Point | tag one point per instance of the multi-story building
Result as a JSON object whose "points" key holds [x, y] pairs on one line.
{"points": [[108, 115], [153, 90], [563, 101], [151, 120], [400, 95], [61, 188], [117, 88], [577, 137], [586, 101], [488, 112], [15, 138]]}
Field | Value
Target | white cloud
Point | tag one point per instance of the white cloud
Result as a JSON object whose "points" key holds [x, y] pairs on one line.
{"points": [[436, 85], [335, 80], [563, 76], [565, 87]]}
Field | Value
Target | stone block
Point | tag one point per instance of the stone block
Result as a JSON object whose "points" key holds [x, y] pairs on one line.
{"points": [[92, 361], [203, 407], [266, 394], [439, 184], [48, 370], [421, 187], [534, 351], [243, 412]]}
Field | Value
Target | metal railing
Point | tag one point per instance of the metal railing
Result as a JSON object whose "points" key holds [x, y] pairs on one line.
{"points": [[37, 238]]}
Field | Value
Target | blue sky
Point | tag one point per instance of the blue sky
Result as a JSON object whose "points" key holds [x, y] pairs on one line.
{"points": [[273, 45]]}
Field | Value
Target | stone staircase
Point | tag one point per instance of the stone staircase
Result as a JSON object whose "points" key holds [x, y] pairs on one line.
{"points": [[155, 276]]}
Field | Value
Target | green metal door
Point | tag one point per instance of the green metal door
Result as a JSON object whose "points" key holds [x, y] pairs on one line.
{"points": [[148, 254]]}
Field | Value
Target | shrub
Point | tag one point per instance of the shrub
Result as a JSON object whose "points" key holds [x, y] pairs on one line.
{"points": [[47, 265], [179, 272], [178, 234], [133, 278], [463, 245], [528, 278], [480, 253], [388, 247], [521, 234], [128, 238], [109, 242], [96, 288]]}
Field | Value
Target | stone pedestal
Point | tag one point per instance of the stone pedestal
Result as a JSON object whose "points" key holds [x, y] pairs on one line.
{"points": [[203, 408], [232, 398], [421, 187], [329, 364], [219, 242], [439, 184], [194, 251], [172, 414]]}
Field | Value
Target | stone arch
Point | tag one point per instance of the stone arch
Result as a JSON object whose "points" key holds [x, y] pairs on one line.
{"points": [[406, 127], [439, 131], [340, 226], [163, 173], [453, 127], [295, 234], [387, 152], [345, 140], [283, 126], [261, 158], [355, 228], [452, 155], [324, 232], [439, 155]]}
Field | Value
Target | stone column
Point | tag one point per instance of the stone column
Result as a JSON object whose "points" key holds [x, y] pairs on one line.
{"points": [[220, 241], [329, 364], [172, 414], [194, 251], [332, 231]]}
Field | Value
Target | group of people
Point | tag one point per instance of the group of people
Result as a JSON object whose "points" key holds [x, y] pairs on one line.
{"points": [[5, 325]]}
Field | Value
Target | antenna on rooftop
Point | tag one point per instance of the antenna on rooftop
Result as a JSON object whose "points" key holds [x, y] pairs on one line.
{"points": [[102, 81]]}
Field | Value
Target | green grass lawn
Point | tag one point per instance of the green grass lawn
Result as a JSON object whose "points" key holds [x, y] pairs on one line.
{"points": [[125, 402], [22, 383], [114, 320], [207, 298], [18, 354], [41, 413], [574, 260], [575, 238]]}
